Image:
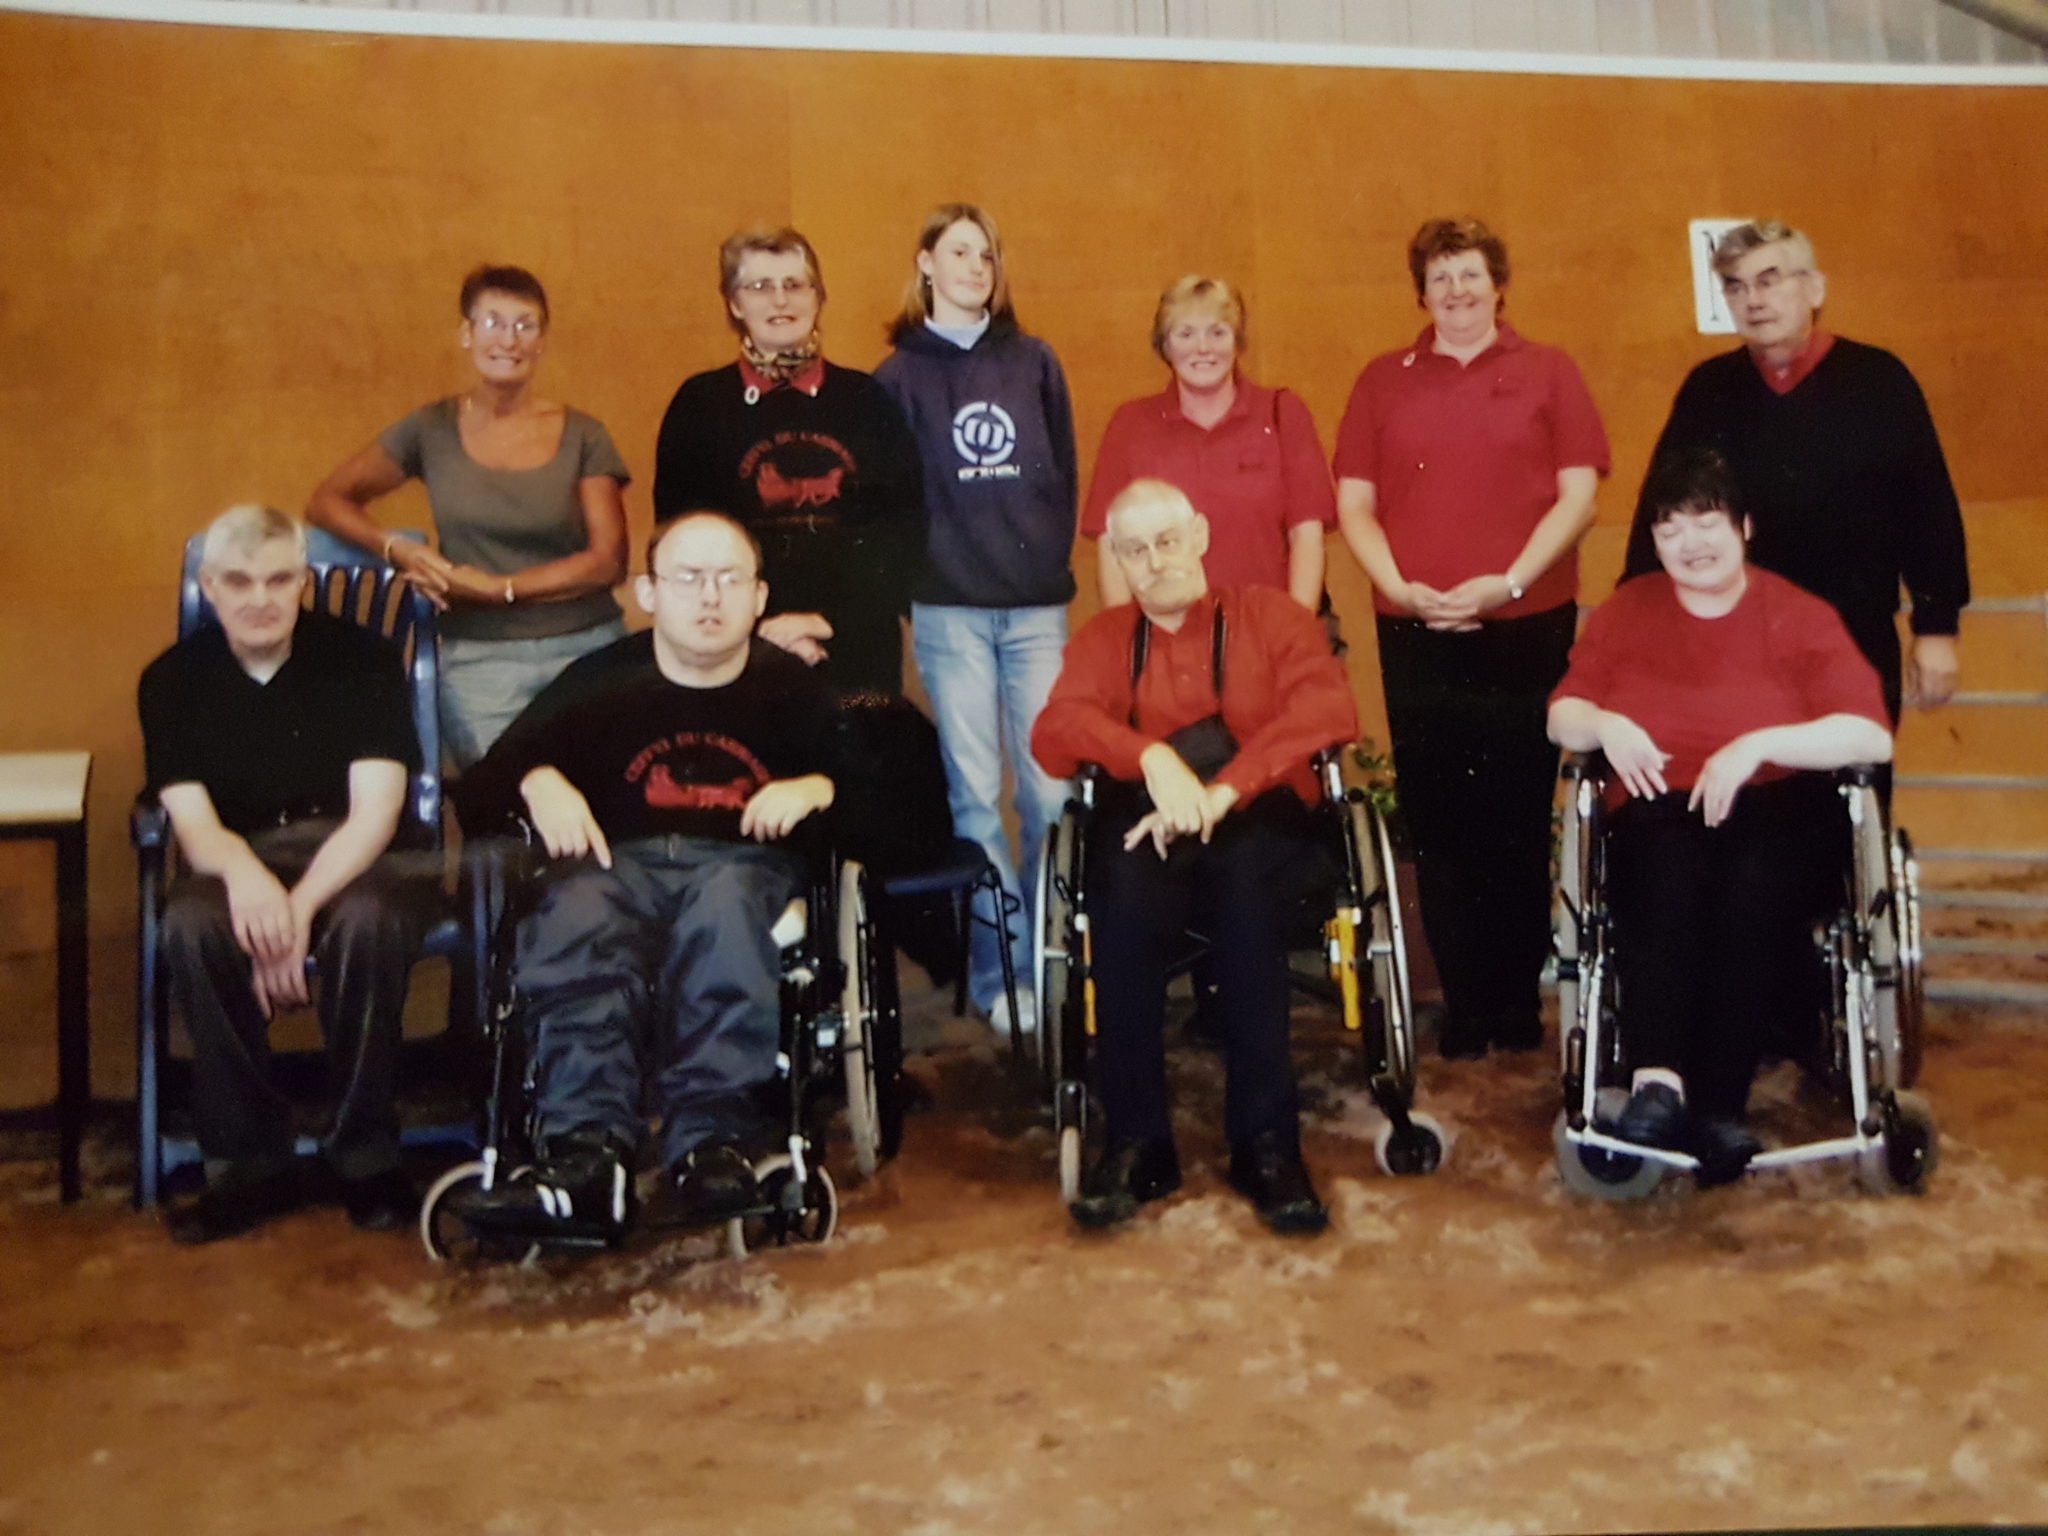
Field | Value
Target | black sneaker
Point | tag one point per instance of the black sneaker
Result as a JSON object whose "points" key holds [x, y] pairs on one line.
{"points": [[1269, 1172], [1654, 1117], [579, 1190], [382, 1202], [715, 1182], [1723, 1147], [239, 1201], [1126, 1176]]}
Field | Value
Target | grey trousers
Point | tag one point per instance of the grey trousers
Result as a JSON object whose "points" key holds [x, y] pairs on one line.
{"points": [[655, 985]]}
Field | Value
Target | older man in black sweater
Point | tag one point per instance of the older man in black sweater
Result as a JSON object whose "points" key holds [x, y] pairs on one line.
{"points": [[1837, 459]]}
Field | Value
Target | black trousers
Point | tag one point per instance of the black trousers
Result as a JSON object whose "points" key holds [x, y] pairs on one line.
{"points": [[659, 973], [1243, 889], [1713, 929], [364, 943], [1476, 777]]}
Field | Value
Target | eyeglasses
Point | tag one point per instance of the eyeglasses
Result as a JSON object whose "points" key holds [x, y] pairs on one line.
{"points": [[724, 581], [789, 287], [526, 327], [1765, 282]]}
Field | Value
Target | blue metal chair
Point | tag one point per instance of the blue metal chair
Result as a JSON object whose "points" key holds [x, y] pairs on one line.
{"points": [[359, 587]]}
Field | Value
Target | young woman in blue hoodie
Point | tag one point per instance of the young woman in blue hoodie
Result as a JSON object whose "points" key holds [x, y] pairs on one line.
{"points": [[994, 426]]}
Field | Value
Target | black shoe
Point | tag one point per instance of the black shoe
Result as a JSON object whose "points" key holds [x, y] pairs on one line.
{"points": [[715, 1183], [1127, 1175], [1269, 1172], [382, 1202], [235, 1203], [1519, 1032], [1654, 1117], [1723, 1147], [1461, 1039], [578, 1190]]}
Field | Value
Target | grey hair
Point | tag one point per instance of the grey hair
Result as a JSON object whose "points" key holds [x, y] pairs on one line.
{"points": [[1140, 494], [241, 530], [1755, 235]]}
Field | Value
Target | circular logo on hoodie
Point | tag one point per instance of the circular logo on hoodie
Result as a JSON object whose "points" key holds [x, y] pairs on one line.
{"points": [[984, 433]]}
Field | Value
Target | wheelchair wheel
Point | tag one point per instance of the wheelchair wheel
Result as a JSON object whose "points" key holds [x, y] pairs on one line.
{"points": [[1911, 1149], [1390, 954], [1911, 989], [1052, 941], [810, 1215], [1414, 1152], [448, 1237], [1601, 1175], [870, 1045]]}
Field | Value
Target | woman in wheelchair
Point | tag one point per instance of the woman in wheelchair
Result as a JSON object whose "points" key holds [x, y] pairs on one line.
{"points": [[1721, 696]]}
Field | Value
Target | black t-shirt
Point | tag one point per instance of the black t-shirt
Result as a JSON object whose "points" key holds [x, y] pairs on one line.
{"points": [[276, 752], [654, 757]]}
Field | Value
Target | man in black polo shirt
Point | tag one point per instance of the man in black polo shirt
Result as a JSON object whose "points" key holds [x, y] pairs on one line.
{"points": [[280, 743], [664, 774]]}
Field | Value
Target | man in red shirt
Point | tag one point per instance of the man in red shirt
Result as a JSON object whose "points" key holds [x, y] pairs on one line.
{"points": [[1204, 709]]}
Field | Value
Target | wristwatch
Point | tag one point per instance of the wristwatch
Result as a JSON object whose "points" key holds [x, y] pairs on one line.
{"points": [[1515, 588]]}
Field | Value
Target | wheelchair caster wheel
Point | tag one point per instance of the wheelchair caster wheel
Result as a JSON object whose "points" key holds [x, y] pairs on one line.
{"points": [[1911, 1147], [1070, 1164], [813, 1221], [447, 1236], [1414, 1152], [1599, 1174]]}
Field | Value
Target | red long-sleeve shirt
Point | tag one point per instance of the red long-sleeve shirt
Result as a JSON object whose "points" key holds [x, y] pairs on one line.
{"points": [[1285, 697]]}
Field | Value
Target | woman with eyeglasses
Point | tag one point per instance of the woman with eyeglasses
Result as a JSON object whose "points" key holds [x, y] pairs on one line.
{"points": [[1247, 456], [527, 509], [1466, 465], [988, 406], [815, 459]]}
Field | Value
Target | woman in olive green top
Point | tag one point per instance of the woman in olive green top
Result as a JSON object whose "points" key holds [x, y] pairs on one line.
{"points": [[527, 511]]}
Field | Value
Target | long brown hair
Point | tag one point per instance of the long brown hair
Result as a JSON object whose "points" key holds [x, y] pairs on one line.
{"points": [[917, 294]]}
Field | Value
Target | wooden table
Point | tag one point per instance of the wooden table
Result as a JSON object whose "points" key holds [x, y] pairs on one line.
{"points": [[42, 795]]}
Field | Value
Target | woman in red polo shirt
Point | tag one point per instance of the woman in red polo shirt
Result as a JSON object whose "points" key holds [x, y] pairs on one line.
{"points": [[1466, 465], [1711, 685], [1248, 457]]}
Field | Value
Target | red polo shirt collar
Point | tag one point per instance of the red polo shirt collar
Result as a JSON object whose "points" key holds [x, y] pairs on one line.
{"points": [[1504, 340], [1240, 404], [810, 379], [1794, 374]]}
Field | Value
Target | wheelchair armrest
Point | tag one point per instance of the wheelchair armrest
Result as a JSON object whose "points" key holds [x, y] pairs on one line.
{"points": [[149, 824], [1858, 775], [1583, 765]]}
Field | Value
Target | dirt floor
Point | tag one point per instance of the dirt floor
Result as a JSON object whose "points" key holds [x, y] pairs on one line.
{"points": [[1473, 1352]]}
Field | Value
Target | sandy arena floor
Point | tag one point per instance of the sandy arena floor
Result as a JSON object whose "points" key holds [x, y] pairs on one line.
{"points": [[1474, 1352]]}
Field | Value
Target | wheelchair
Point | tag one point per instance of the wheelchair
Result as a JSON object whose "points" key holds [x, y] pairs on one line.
{"points": [[841, 1048], [1872, 1041], [1363, 952]]}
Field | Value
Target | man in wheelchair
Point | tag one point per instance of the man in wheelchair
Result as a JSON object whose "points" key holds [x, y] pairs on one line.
{"points": [[665, 775], [1721, 695], [279, 744], [1203, 710]]}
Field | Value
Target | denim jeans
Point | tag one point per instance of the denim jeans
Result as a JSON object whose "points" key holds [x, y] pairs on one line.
{"points": [[486, 683], [987, 672]]}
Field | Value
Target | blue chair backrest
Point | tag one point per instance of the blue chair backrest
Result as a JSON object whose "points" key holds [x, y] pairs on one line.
{"points": [[350, 583]]}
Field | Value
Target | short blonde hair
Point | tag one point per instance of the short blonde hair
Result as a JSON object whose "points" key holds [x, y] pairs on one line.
{"points": [[1214, 292], [1757, 234], [784, 241], [244, 529]]}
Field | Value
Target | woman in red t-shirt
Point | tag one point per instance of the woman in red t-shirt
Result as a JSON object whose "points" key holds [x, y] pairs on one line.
{"points": [[1248, 457], [1720, 694]]}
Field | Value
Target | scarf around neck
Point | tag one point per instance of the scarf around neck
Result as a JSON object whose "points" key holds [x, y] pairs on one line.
{"points": [[780, 367]]}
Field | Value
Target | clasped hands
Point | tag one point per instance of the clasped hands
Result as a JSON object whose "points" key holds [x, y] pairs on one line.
{"points": [[1459, 609], [274, 931], [1182, 805]]}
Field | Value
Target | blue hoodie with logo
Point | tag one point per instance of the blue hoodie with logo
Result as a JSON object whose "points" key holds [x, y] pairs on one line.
{"points": [[995, 428]]}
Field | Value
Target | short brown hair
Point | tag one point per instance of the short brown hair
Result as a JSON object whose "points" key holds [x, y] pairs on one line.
{"points": [[917, 297], [667, 526], [1196, 289], [782, 241], [517, 281], [1447, 237]]}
